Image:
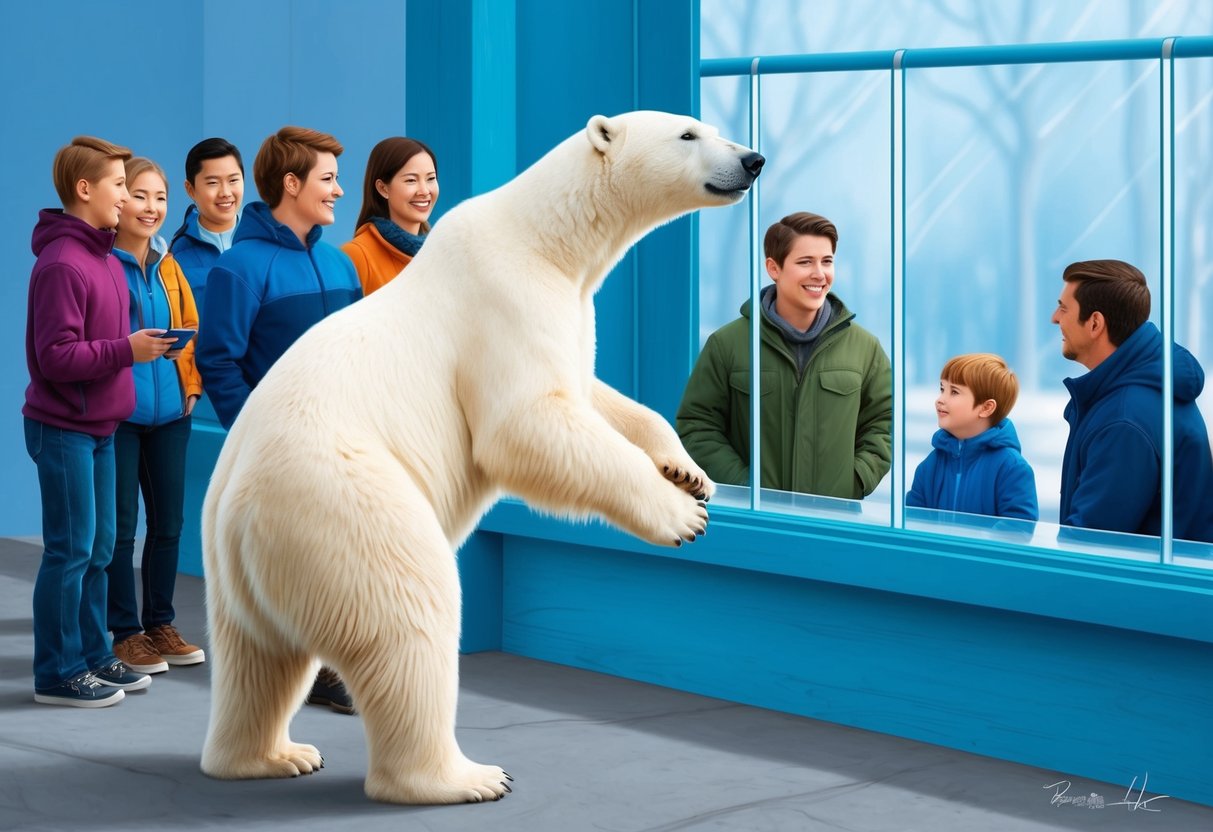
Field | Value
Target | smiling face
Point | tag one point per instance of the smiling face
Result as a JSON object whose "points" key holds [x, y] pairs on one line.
{"points": [[411, 193], [218, 191], [959, 413], [100, 203], [1078, 339], [143, 213], [803, 280], [320, 191], [309, 202]]}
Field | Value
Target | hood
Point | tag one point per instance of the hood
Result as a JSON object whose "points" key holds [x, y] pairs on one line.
{"points": [[1002, 435], [257, 223], [1138, 363], [53, 224], [189, 224]]}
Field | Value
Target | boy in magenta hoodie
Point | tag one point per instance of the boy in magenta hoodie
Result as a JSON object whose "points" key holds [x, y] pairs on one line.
{"points": [[79, 349]]}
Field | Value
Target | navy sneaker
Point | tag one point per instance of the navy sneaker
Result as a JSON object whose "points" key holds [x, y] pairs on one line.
{"points": [[85, 691], [328, 689], [117, 675]]}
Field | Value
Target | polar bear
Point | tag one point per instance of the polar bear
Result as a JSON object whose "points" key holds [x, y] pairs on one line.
{"points": [[371, 449]]}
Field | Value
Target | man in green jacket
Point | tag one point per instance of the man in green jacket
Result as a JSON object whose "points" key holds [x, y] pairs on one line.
{"points": [[827, 386]]}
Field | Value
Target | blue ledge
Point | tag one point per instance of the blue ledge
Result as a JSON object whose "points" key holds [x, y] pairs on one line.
{"points": [[1148, 598]]}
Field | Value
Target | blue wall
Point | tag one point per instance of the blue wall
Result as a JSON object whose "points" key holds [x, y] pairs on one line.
{"points": [[158, 81]]}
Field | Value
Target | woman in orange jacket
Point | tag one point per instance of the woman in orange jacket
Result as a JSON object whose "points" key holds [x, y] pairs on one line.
{"points": [[398, 195]]}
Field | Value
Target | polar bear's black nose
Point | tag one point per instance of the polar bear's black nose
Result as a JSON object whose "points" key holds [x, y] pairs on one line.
{"points": [[752, 162]]}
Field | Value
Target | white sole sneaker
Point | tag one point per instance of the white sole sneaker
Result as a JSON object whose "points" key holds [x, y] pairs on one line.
{"points": [[158, 667], [76, 702], [139, 684], [197, 657]]}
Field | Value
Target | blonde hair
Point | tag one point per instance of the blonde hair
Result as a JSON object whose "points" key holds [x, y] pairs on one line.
{"points": [[290, 150], [988, 376], [84, 158], [138, 165]]}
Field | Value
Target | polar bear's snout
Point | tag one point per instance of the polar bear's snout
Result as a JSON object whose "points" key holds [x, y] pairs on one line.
{"points": [[753, 162], [734, 180]]}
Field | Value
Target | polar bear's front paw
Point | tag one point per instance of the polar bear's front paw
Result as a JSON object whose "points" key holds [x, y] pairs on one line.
{"points": [[471, 783], [674, 517], [686, 475]]}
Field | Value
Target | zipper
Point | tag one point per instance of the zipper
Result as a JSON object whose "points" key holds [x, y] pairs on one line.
{"points": [[776, 342], [176, 376], [324, 295], [798, 392], [155, 368], [959, 476]]}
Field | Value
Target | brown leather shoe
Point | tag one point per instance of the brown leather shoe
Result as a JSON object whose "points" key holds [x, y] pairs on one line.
{"points": [[173, 648], [139, 654]]}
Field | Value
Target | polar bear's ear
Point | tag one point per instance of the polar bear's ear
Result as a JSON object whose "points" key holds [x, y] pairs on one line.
{"points": [[604, 133]]}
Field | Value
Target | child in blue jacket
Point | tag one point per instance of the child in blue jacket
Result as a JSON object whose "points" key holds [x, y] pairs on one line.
{"points": [[976, 467]]}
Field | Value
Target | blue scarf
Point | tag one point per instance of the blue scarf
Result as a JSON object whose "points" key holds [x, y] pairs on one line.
{"points": [[400, 239]]}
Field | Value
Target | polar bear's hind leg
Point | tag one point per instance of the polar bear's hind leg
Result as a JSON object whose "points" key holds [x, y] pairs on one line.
{"points": [[257, 684]]}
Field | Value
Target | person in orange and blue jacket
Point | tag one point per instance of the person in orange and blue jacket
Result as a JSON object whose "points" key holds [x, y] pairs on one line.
{"points": [[150, 445]]}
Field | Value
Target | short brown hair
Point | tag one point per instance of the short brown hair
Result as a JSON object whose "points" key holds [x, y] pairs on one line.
{"points": [[137, 165], [988, 376], [84, 158], [1114, 288], [782, 235], [290, 150]]}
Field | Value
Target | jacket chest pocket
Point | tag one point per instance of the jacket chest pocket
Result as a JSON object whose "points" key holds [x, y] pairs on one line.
{"points": [[841, 382], [739, 381]]}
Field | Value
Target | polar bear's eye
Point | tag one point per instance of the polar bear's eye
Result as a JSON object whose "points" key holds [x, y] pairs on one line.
{"points": [[688, 136]]}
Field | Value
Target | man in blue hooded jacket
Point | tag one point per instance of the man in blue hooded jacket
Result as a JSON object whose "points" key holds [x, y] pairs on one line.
{"points": [[1111, 474]]}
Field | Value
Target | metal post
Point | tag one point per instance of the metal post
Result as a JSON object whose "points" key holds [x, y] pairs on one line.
{"points": [[756, 263]]}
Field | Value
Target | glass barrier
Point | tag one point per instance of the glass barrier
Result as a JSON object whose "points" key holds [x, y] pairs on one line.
{"points": [[1006, 183], [815, 506], [1194, 212], [962, 182]]}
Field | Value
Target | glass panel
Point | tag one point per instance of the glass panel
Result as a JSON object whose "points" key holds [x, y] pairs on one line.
{"points": [[1194, 215], [1013, 173], [1050, 536], [826, 137], [869, 511]]}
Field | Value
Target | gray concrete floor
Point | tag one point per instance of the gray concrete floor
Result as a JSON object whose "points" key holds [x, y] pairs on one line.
{"points": [[587, 751]]}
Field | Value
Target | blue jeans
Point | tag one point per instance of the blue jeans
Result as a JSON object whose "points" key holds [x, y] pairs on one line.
{"points": [[76, 477], [150, 459]]}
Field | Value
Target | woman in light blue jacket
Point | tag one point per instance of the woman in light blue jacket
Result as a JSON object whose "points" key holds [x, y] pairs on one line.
{"points": [[149, 447]]}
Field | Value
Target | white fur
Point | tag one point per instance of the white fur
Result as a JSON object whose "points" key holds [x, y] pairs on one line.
{"points": [[374, 445]]}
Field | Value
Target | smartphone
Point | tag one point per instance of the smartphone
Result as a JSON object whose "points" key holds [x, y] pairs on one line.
{"points": [[180, 337]]}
